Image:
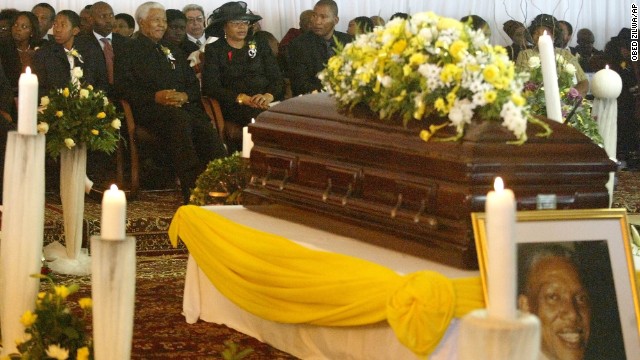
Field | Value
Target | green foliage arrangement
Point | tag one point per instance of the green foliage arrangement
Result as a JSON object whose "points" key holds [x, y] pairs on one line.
{"points": [[222, 182], [78, 114], [232, 351]]}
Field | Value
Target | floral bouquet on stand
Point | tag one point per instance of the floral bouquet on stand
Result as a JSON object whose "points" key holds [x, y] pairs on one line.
{"points": [[222, 182], [78, 114], [431, 68], [54, 331], [576, 110]]}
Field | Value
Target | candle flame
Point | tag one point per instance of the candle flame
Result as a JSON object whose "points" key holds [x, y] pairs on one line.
{"points": [[114, 187], [498, 184], [544, 33], [27, 70]]}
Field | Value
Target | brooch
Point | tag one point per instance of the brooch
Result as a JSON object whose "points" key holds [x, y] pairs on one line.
{"points": [[253, 50]]}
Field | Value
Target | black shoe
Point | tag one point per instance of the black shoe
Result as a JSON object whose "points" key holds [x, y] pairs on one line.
{"points": [[95, 194]]}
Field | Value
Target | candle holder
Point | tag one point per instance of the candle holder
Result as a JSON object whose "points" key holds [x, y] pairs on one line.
{"points": [[113, 283], [482, 337], [22, 233]]}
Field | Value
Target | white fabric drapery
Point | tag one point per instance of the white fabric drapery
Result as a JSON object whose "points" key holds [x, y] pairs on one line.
{"points": [[604, 18]]}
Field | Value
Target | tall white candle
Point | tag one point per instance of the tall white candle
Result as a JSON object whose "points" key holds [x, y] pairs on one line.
{"points": [[550, 77], [247, 143], [500, 209], [28, 103], [114, 214]]}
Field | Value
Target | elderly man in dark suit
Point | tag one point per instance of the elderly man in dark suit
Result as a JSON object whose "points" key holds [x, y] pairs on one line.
{"points": [[309, 52], [164, 94]]}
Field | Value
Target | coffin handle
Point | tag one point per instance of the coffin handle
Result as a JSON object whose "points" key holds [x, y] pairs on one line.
{"points": [[266, 177], [326, 193], [284, 179], [346, 197], [394, 211], [423, 205]]}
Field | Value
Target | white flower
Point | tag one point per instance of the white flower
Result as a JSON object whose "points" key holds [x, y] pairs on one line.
{"points": [[386, 80], [43, 127], [534, 62], [56, 352], [84, 93], [44, 101], [76, 72], [116, 123], [570, 68], [105, 101], [69, 143]]}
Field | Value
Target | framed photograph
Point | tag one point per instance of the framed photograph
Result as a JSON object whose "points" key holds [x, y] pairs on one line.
{"points": [[575, 271]]}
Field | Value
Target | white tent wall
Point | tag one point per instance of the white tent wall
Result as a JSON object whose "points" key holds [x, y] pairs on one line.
{"points": [[604, 18]]}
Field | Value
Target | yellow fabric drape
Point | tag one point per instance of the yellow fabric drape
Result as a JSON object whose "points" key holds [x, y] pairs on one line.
{"points": [[279, 280]]}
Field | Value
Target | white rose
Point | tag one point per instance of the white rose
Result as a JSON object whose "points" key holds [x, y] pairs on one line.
{"points": [[69, 143], [43, 127], [44, 101], [77, 72], [84, 93], [105, 101], [534, 62], [116, 123], [570, 69]]}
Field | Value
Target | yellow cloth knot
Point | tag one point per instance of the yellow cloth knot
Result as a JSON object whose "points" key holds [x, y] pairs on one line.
{"points": [[420, 310]]}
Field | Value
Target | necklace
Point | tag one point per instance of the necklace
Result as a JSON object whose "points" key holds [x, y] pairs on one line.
{"points": [[20, 50]]}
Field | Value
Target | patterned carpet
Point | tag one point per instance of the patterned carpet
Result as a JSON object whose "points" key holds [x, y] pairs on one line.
{"points": [[627, 191]]}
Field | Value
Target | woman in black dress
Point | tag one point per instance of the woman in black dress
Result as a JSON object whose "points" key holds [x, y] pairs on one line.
{"points": [[240, 71]]}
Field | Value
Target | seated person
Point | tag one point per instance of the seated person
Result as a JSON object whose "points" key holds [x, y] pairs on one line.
{"points": [[7, 16], [478, 23], [240, 71], [360, 25], [399, 15], [125, 25], [176, 33], [584, 51], [164, 94], [309, 52], [53, 63], [18, 52], [548, 23], [518, 34]]}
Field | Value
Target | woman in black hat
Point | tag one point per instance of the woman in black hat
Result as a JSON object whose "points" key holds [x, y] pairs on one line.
{"points": [[548, 23], [240, 71]]}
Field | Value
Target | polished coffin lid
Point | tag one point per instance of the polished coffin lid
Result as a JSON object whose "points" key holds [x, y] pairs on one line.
{"points": [[381, 175]]}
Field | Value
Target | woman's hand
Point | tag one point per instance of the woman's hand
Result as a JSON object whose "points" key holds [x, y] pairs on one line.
{"points": [[261, 101], [171, 97]]}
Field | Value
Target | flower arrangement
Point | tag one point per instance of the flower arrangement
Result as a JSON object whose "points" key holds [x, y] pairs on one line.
{"points": [[222, 182], [430, 68], [167, 52], [78, 114], [53, 331], [575, 109]]}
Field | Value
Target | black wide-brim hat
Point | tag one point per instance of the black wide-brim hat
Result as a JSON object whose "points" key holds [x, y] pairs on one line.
{"points": [[234, 10]]}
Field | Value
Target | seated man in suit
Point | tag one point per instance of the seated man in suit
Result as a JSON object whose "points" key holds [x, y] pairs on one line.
{"points": [[164, 94], [45, 14], [309, 52]]}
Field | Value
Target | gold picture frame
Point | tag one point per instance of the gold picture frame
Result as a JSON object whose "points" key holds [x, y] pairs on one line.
{"points": [[598, 232]]}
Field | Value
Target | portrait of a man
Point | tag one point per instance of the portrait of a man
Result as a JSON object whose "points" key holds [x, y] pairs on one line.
{"points": [[569, 287]]}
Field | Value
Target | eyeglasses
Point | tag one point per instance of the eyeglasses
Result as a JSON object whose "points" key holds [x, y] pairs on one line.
{"points": [[198, 19], [238, 23]]}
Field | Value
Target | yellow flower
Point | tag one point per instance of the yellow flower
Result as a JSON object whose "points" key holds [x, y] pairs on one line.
{"points": [[450, 72], [417, 59], [458, 48], [57, 352], [448, 23], [83, 353], [59, 113], [116, 123], [41, 295], [62, 290], [69, 143], [43, 127], [518, 100], [406, 70], [90, 87], [623, 65], [84, 93], [425, 135], [440, 105], [95, 132], [65, 92], [28, 318], [101, 115], [491, 73], [85, 303], [399, 46], [44, 101], [490, 96]]}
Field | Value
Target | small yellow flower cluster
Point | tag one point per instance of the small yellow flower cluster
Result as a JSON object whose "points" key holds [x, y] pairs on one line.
{"points": [[429, 67]]}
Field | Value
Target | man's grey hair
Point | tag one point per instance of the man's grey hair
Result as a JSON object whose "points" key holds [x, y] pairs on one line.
{"points": [[529, 255], [190, 7], [143, 10]]}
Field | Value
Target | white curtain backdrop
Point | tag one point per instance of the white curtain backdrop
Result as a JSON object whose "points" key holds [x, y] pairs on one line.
{"points": [[604, 18]]}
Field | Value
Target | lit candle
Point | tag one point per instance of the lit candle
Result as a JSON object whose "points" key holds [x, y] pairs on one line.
{"points": [[549, 77], [247, 143], [606, 84], [28, 103], [500, 209], [114, 214]]}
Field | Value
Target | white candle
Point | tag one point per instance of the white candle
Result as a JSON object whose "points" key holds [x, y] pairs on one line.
{"points": [[606, 84], [247, 143], [114, 214], [500, 209], [28, 103], [550, 77]]}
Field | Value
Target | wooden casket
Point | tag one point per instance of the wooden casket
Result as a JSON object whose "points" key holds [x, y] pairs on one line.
{"points": [[308, 154]]}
